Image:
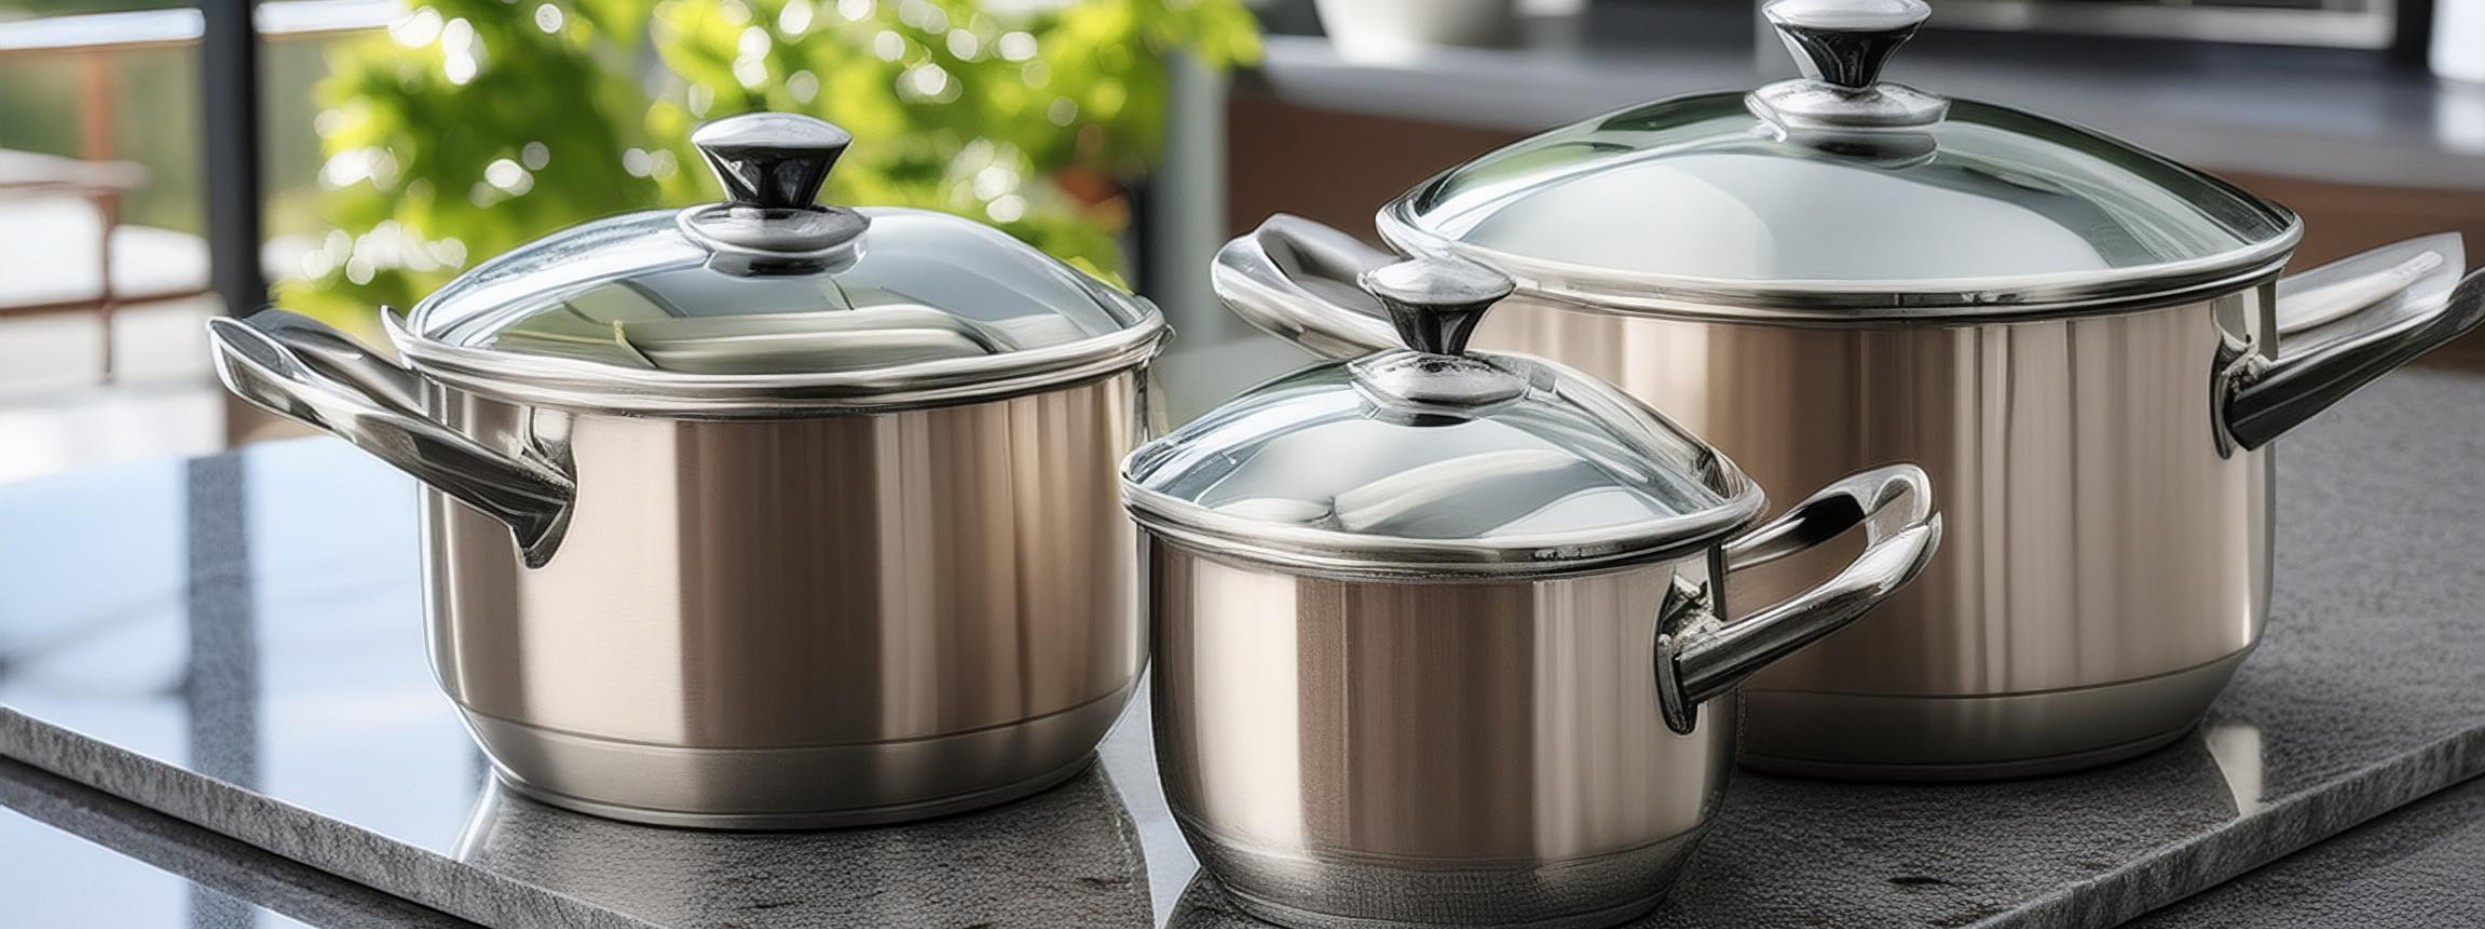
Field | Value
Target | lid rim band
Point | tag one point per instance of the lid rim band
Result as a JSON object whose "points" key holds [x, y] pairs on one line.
{"points": [[1964, 300], [596, 388]]}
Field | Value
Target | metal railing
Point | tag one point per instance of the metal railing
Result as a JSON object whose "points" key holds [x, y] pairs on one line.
{"points": [[144, 29], [229, 89]]}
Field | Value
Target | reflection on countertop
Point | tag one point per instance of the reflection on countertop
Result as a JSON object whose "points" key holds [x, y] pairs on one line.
{"points": [[1066, 857]]}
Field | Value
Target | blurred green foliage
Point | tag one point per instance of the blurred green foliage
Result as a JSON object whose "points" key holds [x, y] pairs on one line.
{"points": [[474, 126]]}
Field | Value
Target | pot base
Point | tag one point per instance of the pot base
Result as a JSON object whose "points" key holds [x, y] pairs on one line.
{"points": [[1374, 892], [813, 787], [760, 822], [1930, 738], [1271, 911]]}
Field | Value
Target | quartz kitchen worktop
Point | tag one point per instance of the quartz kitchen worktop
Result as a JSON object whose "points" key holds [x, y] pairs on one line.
{"points": [[74, 856], [2420, 865], [236, 642], [2319, 114]]}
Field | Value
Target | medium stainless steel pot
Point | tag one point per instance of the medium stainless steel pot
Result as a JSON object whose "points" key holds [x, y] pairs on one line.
{"points": [[759, 514], [1432, 628], [2087, 346]]}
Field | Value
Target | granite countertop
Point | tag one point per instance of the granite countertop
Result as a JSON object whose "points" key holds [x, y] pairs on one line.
{"points": [[71, 855], [2416, 866], [236, 643], [2322, 114]]}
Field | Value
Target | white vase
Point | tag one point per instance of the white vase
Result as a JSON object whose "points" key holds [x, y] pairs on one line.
{"points": [[2458, 39], [1393, 31]]}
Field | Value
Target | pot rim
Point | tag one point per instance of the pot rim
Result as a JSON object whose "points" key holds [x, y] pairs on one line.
{"points": [[1823, 302], [1322, 553], [584, 386]]}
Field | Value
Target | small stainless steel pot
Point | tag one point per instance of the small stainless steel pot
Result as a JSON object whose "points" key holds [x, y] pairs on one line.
{"points": [[760, 514], [2087, 346], [1432, 628]]}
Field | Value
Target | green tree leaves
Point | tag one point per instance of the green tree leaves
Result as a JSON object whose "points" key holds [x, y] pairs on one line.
{"points": [[474, 126]]}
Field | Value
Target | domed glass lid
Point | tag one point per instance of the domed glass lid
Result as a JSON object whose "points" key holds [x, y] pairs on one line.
{"points": [[1841, 195], [767, 303], [1435, 461]]}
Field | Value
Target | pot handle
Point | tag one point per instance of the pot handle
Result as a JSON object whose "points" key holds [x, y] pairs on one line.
{"points": [[1894, 503], [2342, 325], [300, 369], [1296, 279]]}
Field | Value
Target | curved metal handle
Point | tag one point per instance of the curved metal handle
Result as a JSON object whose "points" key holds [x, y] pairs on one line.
{"points": [[2341, 326], [292, 367], [338, 355], [1895, 505], [1299, 280]]}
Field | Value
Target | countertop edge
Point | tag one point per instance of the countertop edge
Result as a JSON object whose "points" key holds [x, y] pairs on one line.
{"points": [[2183, 869], [207, 858], [310, 839]]}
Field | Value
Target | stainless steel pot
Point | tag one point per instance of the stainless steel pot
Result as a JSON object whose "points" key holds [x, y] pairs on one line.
{"points": [[1432, 628], [759, 514], [2087, 346]]}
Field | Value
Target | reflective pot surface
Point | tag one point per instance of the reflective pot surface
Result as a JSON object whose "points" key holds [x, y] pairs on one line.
{"points": [[1356, 751], [786, 622], [1427, 753], [825, 621], [2105, 477], [2107, 566]]}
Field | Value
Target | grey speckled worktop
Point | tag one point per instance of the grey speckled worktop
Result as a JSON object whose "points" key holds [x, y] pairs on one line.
{"points": [[236, 642], [74, 856], [2420, 865]]}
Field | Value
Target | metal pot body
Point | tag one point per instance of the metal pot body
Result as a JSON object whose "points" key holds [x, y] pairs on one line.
{"points": [[2107, 480], [797, 622], [2107, 566], [1367, 752]]}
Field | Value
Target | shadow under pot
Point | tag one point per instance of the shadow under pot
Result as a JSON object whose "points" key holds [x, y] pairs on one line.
{"points": [[1065, 857], [2088, 347], [1433, 628], [759, 514]]}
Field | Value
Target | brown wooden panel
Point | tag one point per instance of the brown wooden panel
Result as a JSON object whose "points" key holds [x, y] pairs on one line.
{"points": [[2342, 219], [1333, 167]]}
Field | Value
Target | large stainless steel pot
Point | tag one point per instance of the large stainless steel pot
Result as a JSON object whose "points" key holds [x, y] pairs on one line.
{"points": [[2087, 346], [759, 514], [1432, 628]]}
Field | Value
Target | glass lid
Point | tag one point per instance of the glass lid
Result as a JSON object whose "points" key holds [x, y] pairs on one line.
{"points": [[1839, 195], [767, 302], [1435, 461]]}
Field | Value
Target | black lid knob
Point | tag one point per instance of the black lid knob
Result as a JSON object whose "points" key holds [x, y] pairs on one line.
{"points": [[771, 160], [1845, 43], [1435, 303]]}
